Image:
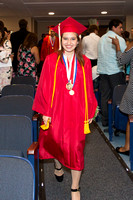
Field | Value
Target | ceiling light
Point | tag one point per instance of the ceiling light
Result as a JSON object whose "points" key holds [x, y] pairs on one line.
{"points": [[51, 13], [104, 12]]}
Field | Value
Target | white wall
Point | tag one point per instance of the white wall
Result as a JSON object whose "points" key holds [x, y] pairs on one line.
{"points": [[42, 26], [129, 23], [12, 23]]}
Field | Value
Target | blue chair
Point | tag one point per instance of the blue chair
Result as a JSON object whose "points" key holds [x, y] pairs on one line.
{"points": [[18, 89], [20, 105], [24, 80], [17, 178], [16, 139], [116, 119]]}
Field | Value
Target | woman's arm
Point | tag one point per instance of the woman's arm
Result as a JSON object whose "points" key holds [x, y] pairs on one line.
{"points": [[35, 52], [126, 56], [18, 53], [5, 51]]}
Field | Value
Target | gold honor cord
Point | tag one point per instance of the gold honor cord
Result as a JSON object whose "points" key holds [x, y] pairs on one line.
{"points": [[54, 81], [86, 122], [45, 127]]}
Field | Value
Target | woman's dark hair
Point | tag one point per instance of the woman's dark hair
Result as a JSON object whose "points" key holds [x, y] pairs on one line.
{"points": [[126, 35], [115, 23], [30, 40], [78, 52], [3, 37]]}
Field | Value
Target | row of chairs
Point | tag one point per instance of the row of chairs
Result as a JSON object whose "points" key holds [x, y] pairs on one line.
{"points": [[18, 137], [28, 80], [118, 120]]}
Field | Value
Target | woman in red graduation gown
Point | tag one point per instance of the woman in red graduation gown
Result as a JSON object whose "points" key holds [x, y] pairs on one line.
{"points": [[65, 98]]}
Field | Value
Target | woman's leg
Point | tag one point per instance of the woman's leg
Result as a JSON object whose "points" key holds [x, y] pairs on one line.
{"points": [[75, 184], [127, 139], [58, 166]]}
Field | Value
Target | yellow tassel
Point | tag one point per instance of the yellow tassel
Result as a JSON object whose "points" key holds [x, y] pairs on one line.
{"points": [[44, 127], [86, 127]]}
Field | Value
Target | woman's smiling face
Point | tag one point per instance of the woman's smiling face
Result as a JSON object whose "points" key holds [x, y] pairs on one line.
{"points": [[69, 41]]}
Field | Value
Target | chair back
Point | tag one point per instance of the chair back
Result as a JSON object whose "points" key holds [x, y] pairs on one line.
{"points": [[118, 94], [120, 119], [18, 89], [17, 178], [16, 105], [24, 80], [15, 135]]}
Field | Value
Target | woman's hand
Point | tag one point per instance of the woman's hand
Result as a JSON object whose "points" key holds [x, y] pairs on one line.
{"points": [[45, 119], [115, 41], [90, 120]]}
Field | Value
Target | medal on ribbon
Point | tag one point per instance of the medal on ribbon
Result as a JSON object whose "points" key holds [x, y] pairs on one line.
{"points": [[71, 69], [69, 86], [52, 41]]}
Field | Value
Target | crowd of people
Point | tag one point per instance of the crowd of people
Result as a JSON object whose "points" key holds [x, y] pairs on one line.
{"points": [[65, 95]]}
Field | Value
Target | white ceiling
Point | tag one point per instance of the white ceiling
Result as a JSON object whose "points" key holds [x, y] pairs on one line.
{"points": [[38, 9]]}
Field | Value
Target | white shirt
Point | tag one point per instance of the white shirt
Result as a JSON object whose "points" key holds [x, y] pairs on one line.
{"points": [[89, 44], [107, 60]]}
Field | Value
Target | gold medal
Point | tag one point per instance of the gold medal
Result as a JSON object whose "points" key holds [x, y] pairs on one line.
{"points": [[71, 92], [69, 86], [52, 47]]}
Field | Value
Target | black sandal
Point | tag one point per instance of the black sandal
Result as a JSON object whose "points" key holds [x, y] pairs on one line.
{"points": [[75, 190], [59, 178]]}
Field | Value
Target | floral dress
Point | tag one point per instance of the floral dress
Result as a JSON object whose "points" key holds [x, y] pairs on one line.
{"points": [[27, 65], [5, 64]]}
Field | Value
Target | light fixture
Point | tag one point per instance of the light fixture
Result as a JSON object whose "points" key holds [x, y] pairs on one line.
{"points": [[51, 13], [104, 12]]}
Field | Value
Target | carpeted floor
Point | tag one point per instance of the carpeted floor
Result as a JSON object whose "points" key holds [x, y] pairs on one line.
{"points": [[103, 178]]}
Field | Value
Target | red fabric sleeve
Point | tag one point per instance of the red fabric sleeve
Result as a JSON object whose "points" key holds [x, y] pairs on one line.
{"points": [[42, 101]]}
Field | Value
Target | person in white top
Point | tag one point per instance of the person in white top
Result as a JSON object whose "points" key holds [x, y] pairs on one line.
{"points": [[90, 43], [5, 60]]}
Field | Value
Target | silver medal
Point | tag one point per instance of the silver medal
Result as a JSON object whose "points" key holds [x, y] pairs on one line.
{"points": [[71, 92]]}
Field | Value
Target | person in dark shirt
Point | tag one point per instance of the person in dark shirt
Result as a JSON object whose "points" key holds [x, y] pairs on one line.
{"points": [[17, 38]]}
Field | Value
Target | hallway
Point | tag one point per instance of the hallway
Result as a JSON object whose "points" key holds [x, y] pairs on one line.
{"points": [[104, 177]]}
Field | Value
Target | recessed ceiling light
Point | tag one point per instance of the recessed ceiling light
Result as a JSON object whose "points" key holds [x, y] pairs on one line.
{"points": [[51, 13], [104, 12]]}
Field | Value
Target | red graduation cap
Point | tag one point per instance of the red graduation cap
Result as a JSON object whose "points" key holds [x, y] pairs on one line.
{"points": [[69, 25]]}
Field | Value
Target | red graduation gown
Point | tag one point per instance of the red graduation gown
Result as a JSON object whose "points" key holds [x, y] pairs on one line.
{"points": [[47, 48], [65, 139]]}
